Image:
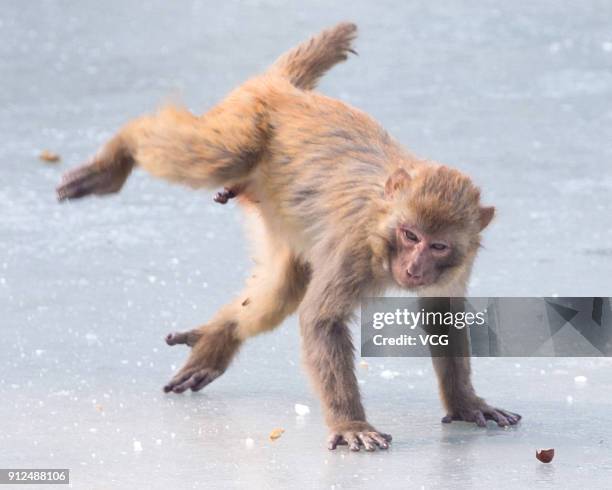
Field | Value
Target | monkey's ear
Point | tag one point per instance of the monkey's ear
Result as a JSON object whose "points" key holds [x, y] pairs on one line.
{"points": [[398, 180], [486, 215]]}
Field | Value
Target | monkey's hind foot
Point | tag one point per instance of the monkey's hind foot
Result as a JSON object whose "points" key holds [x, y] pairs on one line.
{"points": [[104, 174], [85, 180], [225, 195], [481, 414], [357, 434]]}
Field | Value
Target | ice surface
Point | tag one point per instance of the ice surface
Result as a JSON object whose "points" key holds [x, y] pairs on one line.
{"points": [[515, 93]]}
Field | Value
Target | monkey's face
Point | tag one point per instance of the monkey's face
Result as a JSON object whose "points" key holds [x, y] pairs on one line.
{"points": [[420, 259], [435, 224]]}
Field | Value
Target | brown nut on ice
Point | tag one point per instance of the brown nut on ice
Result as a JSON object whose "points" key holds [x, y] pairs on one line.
{"points": [[276, 433], [49, 156], [545, 455]]}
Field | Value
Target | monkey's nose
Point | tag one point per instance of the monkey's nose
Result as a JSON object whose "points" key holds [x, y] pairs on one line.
{"points": [[414, 276]]}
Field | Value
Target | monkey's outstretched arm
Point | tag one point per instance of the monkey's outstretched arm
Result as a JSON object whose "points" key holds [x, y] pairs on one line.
{"points": [[273, 291], [329, 353]]}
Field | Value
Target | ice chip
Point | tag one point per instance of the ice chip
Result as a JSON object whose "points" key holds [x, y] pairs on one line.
{"points": [[301, 410], [92, 339], [580, 380], [388, 374]]}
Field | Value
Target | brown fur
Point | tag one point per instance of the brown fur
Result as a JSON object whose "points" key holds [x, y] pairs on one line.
{"points": [[312, 171], [304, 65]]}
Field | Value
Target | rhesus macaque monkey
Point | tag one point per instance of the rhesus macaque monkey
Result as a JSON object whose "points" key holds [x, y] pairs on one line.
{"points": [[343, 211]]}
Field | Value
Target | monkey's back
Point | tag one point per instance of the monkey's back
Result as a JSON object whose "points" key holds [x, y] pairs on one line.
{"points": [[325, 164]]}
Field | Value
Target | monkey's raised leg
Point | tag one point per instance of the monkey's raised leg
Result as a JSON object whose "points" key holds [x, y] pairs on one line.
{"points": [[272, 293], [217, 149], [329, 353]]}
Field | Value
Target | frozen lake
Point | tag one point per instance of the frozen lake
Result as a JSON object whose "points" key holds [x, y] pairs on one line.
{"points": [[517, 94]]}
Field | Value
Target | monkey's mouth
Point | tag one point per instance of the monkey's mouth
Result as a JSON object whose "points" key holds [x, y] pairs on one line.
{"points": [[414, 283]]}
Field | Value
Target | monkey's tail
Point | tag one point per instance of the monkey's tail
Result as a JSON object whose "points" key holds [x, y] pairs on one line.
{"points": [[305, 64]]}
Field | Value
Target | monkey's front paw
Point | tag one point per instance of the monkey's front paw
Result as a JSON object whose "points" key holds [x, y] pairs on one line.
{"points": [[194, 378], [481, 413], [357, 434], [213, 350]]}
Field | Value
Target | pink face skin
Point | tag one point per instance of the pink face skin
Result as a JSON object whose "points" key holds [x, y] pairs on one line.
{"points": [[420, 258]]}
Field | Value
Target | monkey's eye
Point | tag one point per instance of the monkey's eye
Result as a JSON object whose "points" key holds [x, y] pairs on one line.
{"points": [[439, 246], [408, 235]]}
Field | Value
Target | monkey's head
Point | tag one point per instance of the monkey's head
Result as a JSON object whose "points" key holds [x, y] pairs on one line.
{"points": [[434, 224]]}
